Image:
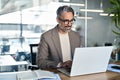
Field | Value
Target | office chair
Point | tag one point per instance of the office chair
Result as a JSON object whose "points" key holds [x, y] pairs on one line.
{"points": [[33, 51]]}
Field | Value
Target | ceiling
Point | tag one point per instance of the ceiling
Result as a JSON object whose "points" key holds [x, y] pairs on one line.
{"points": [[8, 6]]}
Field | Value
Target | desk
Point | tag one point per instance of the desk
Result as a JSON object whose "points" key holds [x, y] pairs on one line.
{"points": [[108, 75], [99, 76], [7, 61]]}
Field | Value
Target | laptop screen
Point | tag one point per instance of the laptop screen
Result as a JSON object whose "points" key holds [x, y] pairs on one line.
{"points": [[90, 60]]}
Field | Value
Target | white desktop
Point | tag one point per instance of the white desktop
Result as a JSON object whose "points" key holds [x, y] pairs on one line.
{"points": [[6, 61]]}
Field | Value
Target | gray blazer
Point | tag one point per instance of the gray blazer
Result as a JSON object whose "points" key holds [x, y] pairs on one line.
{"points": [[49, 50]]}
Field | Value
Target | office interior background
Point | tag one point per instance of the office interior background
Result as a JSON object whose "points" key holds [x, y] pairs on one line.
{"points": [[23, 21]]}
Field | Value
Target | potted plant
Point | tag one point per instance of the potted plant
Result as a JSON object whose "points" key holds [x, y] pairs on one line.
{"points": [[114, 13]]}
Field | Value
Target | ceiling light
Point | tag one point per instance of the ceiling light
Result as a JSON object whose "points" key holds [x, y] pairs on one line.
{"points": [[91, 10], [84, 17], [106, 14], [67, 0], [73, 4]]}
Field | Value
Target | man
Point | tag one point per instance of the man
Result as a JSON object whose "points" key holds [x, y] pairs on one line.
{"points": [[56, 47]]}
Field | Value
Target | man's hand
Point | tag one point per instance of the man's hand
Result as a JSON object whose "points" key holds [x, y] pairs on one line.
{"points": [[66, 64]]}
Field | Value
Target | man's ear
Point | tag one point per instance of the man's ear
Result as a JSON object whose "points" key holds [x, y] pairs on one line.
{"points": [[57, 19]]}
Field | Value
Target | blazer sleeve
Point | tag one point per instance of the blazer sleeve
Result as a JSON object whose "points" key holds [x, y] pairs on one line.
{"points": [[42, 58]]}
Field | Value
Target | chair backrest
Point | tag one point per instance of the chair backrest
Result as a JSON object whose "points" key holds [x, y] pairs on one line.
{"points": [[33, 50]]}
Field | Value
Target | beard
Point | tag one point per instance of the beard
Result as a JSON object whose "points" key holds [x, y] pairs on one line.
{"points": [[65, 28]]}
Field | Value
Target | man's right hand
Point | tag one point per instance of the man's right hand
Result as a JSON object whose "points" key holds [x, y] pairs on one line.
{"points": [[66, 64]]}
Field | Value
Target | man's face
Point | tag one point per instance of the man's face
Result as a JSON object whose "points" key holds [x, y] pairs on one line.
{"points": [[65, 21]]}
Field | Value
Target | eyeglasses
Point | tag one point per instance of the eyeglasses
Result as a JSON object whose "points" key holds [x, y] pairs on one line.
{"points": [[67, 21]]}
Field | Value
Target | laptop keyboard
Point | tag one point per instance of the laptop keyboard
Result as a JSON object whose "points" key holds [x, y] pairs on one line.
{"points": [[65, 70]]}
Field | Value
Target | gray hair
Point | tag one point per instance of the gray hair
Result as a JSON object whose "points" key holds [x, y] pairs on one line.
{"points": [[64, 9]]}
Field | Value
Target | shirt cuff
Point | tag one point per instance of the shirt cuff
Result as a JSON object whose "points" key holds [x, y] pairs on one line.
{"points": [[58, 66]]}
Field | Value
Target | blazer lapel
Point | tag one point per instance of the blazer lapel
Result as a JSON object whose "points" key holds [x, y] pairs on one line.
{"points": [[56, 42], [71, 43]]}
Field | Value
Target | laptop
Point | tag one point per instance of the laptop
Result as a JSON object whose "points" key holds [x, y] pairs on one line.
{"points": [[89, 60]]}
